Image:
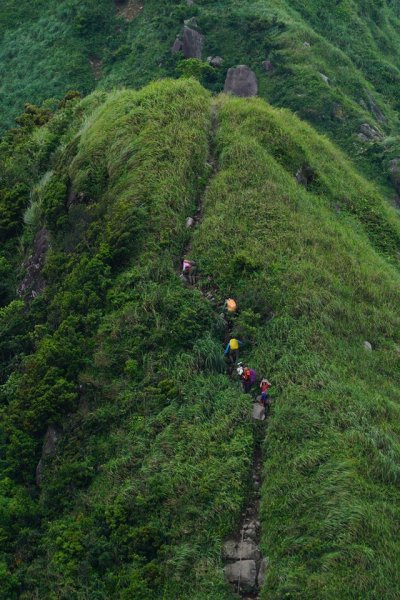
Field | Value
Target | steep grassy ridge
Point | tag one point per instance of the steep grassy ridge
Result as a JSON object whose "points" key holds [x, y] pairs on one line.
{"points": [[152, 467], [312, 288]]}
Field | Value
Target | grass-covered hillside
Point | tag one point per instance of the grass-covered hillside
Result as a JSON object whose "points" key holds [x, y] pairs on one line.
{"points": [[108, 358], [334, 63]]}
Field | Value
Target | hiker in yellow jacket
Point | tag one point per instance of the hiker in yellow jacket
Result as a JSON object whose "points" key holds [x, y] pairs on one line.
{"points": [[232, 350]]}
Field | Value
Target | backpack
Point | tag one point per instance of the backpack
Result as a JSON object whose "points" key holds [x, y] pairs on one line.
{"points": [[253, 376]]}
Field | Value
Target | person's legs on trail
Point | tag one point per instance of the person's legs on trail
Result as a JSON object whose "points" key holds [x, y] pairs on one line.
{"points": [[246, 386], [192, 275]]}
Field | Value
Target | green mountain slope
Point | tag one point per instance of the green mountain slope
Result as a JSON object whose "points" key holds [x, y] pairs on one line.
{"points": [[336, 66], [121, 363]]}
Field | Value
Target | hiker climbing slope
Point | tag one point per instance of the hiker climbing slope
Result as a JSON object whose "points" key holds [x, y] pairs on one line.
{"points": [[189, 270], [232, 349], [249, 378]]}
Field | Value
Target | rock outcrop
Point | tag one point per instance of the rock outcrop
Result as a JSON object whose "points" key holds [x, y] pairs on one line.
{"points": [[268, 66], [33, 282], [258, 412], [368, 133], [215, 61], [243, 550], [244, 566], [305, 176], [176, 46], [242, 574], [241, 81], [192, 43]]}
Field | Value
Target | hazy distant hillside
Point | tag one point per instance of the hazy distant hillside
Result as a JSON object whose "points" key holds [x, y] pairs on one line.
{"points": [[336, 64]]}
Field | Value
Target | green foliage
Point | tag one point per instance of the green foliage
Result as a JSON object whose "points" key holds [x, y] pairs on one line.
{"points": [[118, 355], [151, 470], [53, 203], [331, 452], [199, 70], [12, 205]]}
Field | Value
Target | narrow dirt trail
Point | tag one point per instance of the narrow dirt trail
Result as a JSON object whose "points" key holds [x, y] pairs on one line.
{"points": [[212, 161], [244, 565]]}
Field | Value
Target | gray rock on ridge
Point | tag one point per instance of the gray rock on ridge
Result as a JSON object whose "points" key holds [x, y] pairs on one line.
{"points": [[243, 571], [192, 22], [244, 550], [368, 133], [215, 61], [258, 412], [241, 81], [176, 46], [192, 43]]}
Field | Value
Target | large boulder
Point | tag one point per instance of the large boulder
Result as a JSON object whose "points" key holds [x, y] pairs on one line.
{"points": [[258, 411], [176, 46], [215, 61], [241, 81], [368, 133], [243, 572], [192, 43], [245, 550]]}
